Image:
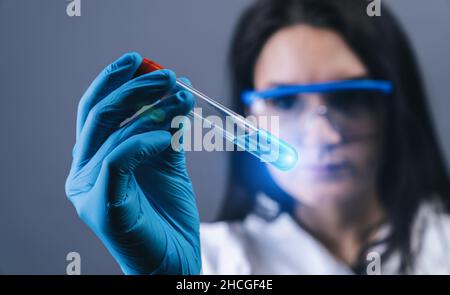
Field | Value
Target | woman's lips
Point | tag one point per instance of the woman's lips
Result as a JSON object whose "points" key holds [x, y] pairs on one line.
{"points": [[326, 170]]}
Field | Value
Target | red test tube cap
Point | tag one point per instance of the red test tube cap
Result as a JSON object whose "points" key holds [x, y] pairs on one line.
{"points": [[147, 66]]}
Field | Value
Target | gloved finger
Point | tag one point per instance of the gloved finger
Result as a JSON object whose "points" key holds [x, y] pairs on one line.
{"points": [[106, 116], [158, 117], [118, 166], [111, 78], [176, 154], [177, 87], [185, 80]]}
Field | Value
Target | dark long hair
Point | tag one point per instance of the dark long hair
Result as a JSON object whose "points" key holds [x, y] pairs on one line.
{"points": [[412, 168]]}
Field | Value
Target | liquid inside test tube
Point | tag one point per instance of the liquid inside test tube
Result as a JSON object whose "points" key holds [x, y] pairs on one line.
{"points": [[269, 149], [259, 142]]}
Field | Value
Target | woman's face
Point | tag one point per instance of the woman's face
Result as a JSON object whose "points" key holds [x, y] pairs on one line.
{"points": [[330, 169]]}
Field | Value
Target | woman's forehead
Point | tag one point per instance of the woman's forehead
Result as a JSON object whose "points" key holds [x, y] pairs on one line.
{"points": [[305, 54]]}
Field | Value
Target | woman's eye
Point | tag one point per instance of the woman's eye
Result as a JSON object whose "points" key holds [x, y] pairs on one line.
{"points": [[284, 102], [351, 102]]}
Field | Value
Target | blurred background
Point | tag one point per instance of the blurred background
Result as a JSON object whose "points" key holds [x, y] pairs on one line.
{"points": [[47, 60]]}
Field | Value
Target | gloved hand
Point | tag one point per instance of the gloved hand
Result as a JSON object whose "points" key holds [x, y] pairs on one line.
{"points": [[127, 183]]}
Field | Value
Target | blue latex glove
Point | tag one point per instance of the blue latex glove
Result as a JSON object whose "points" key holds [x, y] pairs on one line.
{"points": [[128, 184]]}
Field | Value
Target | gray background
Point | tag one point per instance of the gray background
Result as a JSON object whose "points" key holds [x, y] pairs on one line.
{"points": [[47, 60]]}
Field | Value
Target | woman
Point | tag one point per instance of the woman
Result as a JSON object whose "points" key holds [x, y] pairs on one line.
{"points": [[370, 183]]}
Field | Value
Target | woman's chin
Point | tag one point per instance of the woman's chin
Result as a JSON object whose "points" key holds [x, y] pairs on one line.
{"points": [[316, 186], [313, 195]]}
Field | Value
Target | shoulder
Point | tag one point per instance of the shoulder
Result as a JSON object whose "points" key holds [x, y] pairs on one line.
{"points": [[216, 233], [222, 249], [226, 246], [431, 239]]}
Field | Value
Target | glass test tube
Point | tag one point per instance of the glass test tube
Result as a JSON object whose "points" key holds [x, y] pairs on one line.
{"points": [[259, 142]]}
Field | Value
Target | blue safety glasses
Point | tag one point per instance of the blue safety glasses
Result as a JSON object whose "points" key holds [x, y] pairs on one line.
{"points": [[349, 105], [381, 86]]}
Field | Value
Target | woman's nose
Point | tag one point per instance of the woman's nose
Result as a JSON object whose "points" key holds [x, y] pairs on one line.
{"points": [[317, 129]]}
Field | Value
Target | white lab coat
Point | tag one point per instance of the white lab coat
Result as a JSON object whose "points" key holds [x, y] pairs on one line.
{"points": [[281, 246]]}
